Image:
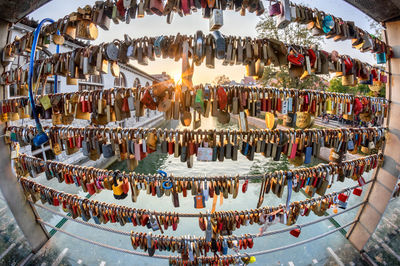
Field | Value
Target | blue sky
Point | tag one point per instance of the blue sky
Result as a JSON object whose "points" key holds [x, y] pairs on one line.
{"points": [[234, 24]]}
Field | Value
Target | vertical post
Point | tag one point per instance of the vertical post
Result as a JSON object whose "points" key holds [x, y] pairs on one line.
{"points": [[23, 213], [386, 177]]}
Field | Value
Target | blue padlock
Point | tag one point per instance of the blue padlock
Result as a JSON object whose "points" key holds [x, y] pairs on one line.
{"points": [[381, 58]]}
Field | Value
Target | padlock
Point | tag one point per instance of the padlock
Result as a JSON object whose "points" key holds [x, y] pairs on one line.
{"points": [[216, 19], [296, 232], [357, 191], [342, 205], [284, 19], [118, 186], [199, 201], [343, 197]]}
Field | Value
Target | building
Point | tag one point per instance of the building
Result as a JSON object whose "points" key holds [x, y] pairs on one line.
{"points": [[130, 76]]}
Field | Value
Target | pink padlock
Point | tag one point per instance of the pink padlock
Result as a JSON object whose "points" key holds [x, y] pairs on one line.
{"points": [[275, 9]]}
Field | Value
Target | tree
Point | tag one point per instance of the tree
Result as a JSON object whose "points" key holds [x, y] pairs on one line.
{"points": [[295, 34], [222, 80], [335, 85]]}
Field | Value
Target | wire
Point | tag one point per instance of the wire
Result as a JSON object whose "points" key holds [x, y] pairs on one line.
{"points": [[301, 242], [265, 210], [221, 257], [248, 235], [29, 160], [101, 244]]}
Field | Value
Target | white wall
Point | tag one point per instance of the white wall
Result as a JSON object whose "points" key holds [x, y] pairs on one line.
{"points": [[108, 79]]}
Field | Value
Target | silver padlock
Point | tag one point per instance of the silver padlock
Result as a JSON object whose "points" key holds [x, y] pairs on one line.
{"points": [[284, 19], [216, 19]]}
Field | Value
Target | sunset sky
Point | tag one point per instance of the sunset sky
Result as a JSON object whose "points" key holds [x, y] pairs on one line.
{"points": [[234, 24]]}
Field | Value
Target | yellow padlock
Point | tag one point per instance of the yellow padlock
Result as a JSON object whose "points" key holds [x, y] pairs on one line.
{"points": [[117, 187]]}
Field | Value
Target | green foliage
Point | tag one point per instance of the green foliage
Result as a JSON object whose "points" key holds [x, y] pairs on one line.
{"points": [[295, 34], [222, 80], [335, 85]]}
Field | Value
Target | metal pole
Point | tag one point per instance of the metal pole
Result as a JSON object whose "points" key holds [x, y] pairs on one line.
{"points": [[385, 179], [23, 213]]}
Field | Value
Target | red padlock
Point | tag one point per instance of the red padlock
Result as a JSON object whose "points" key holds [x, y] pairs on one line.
{"points": [[56, 202], [171, 145], [245, 185], [113, 220], [78, 141], [279, 105], [250, 242], [105, 216], [134, 222], [357, 191], [74, 209], [175, 223], [343, 197], [245, 243], [84, 104], [296, 232], [184, 190], [264, 104], [125, 105], [91, 189], [313, 106], [145, 219], [71, 143]]}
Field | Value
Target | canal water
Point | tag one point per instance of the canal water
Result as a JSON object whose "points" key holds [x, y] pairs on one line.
{"points": [[311, 253]]}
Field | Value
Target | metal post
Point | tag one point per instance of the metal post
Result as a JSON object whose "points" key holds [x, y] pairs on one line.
{"points": [[385, 179], [24, 215]]}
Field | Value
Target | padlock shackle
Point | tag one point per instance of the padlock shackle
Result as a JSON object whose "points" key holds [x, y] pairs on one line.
{"points": [[41, 137]]}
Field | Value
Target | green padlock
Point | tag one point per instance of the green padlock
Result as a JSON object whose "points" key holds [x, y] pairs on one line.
{"points": [[199, 101]]}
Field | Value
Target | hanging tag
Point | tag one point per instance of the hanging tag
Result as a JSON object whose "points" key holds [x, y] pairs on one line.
{"points": [[209, 229], [214, 204], [285, 107], [290, 104], [307, 159], [308, 65], [289, 187], [205, 191], [15, 152], [144, 146]]}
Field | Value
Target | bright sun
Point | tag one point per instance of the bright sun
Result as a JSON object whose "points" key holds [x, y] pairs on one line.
{"points": [[177, 77]]}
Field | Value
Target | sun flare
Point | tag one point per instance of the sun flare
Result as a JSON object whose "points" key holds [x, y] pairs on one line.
{"points": [[177, 77]]}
